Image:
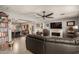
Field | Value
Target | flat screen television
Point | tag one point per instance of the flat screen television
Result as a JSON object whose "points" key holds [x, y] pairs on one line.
{"points": [[56, 25]]}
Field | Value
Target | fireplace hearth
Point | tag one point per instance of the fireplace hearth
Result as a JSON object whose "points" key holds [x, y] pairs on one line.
{"points": [[55, 34]]}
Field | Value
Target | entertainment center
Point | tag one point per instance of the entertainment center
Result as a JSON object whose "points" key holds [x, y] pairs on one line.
{"points": [[56, 25], [56, 29]]}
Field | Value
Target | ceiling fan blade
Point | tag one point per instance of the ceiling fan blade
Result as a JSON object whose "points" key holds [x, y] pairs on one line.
{"points": [[39, 15], [49, 14]]}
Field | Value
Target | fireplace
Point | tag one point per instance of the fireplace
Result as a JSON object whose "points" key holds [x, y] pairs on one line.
{"points": [[55, 34]]}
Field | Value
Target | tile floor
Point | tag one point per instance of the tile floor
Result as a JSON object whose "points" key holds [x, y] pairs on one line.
{"points": [[19, 47]]}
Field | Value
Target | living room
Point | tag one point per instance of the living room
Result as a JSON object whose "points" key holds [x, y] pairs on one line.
{"points": [[49, 23]]}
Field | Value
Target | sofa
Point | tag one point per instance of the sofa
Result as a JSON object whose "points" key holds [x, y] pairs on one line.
{"points": [[35, 43], [51, 45]]}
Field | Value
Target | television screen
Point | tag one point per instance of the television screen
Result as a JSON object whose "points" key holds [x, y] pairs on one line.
{"points": [[56, 25]]}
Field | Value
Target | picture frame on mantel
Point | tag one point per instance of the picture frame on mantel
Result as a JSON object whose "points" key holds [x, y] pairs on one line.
{"points": [[71, 23]]}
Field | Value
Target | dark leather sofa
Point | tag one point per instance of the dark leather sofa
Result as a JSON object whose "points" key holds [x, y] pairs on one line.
{"points": [[35, 43], [46, 45]]}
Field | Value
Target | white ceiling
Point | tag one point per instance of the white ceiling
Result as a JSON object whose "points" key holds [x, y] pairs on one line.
{"points": [[31, 10]]}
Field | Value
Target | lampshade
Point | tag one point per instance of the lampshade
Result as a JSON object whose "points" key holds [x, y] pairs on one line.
{"points": [[75, 27]]}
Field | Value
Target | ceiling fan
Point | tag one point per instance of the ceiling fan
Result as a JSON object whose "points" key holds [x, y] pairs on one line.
{"points": [[44, 15]]}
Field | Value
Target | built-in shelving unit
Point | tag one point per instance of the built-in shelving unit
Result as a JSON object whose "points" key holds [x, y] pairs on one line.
{"points": [[3, 28]]}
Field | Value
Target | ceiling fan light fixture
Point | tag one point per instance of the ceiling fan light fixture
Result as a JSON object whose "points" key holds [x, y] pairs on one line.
{"points": [[43, 11], [45, 15]]}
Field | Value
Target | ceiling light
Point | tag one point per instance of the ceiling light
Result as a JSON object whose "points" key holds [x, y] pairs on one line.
{"points": [[75, 27]]}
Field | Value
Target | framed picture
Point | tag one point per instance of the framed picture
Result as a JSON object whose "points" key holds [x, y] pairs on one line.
{"points": [[71, 23]]}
